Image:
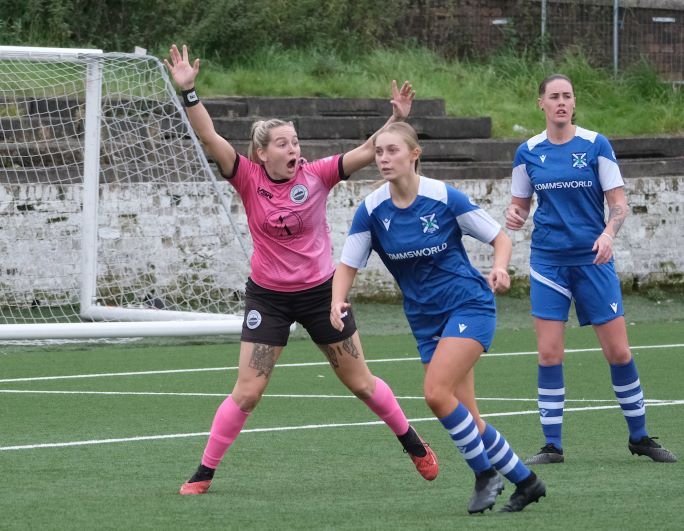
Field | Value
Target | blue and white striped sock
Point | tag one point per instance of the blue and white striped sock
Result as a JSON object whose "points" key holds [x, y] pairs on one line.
{"points": [[461, 427], [629, 395], [502, 456], [551, 401]]}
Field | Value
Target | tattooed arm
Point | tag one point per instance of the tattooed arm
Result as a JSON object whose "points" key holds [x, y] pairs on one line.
{"points": [[617, 212]]}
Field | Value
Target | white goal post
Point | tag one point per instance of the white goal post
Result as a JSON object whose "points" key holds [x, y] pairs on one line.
{"points": [[112, 222]]}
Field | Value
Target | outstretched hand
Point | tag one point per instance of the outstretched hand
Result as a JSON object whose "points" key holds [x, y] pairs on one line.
{"points": [[182, 72], [402, 99]]}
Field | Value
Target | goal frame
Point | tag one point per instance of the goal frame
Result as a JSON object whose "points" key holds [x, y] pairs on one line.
{"points": [[108, 321]]}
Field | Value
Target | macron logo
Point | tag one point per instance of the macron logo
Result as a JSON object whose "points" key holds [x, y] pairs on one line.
{"points": [[462, 327], [542, 158], [386, 222], [613, 305]]}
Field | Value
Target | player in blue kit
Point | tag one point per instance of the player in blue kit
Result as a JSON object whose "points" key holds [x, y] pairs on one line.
{"points": [[416, 224], [573, 171]]}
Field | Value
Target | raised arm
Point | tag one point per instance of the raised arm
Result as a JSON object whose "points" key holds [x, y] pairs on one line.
{"points": [[184, 74], [342, 284], [362, 156]]}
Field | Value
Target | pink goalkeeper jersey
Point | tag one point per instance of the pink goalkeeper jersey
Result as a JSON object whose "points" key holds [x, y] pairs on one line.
{"points": [[287, 221]]}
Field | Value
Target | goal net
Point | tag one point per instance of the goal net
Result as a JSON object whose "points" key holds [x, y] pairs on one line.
{"points": [[112, 222]]}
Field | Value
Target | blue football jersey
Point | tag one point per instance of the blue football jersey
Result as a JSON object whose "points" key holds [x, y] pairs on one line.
{"points": [[421, 247], [570, 180]]}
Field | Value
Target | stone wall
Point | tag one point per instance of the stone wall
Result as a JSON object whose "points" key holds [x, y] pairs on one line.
{"points": [[648, 249]]}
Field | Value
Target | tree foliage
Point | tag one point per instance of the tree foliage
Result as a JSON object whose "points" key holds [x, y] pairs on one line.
{"points": [[224, 29]]}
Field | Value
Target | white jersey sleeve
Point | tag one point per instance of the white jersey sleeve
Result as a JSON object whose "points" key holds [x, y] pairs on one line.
{"points": [[479, 224], [357, 246], [356, 250], [608, 170], [520, 182]]}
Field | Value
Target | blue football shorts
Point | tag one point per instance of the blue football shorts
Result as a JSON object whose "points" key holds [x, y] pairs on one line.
{"points": [[595, 289], [478, 326]]}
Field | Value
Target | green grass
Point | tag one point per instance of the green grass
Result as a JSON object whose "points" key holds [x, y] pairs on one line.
{"points": [[505, 87], [343, 471]]}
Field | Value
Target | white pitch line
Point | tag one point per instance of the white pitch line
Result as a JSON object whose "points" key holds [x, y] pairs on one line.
{"points": [[291, 365], [296, 396], [93, 442]]}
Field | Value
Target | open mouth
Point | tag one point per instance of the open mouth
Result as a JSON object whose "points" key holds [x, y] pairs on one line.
{"points": [[291, 164]]}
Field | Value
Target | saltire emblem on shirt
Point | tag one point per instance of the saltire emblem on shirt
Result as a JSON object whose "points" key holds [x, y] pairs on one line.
{"points": [[386, 222], [579, 160], [429, 223]]}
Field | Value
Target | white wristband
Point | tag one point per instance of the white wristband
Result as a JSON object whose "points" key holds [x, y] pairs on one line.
{"points": [[606, 234]]}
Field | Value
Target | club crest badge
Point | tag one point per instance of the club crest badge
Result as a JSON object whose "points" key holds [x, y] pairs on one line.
{"points": [[579, 160], [429, 224], [253, 319], [299, 194]]}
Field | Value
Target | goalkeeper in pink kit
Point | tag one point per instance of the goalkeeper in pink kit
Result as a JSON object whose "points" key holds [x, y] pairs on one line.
{"points": [[291, 269]]}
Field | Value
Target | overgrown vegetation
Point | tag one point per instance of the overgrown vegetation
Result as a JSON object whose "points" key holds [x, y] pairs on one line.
{"points": [[352, 48], [505, 87], [227, 29]]}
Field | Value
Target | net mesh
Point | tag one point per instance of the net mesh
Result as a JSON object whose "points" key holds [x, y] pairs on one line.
{"points": [[169, 234]]}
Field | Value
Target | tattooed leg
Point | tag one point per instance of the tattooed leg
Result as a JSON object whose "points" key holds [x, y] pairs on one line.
{"points": [[337, 350], [263, 359]]}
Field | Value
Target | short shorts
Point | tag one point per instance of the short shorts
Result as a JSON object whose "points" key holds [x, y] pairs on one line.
{"points": [[269, 315], [478, 326], [595, 288]]}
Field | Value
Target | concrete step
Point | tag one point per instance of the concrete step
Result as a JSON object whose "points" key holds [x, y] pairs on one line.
{"points": [[491, 149], [53, 152], [317, 127], [73, 175], [234, 107], [630, 169], [278, 107], [150, 171]]}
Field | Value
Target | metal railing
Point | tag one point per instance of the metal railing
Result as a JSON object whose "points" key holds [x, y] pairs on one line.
{"points": [[612, 34]]}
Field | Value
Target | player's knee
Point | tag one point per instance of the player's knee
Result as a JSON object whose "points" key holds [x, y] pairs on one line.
{"points": [[620, 356], [551, 356], [435, 397], [247, 399], [361, 387]]}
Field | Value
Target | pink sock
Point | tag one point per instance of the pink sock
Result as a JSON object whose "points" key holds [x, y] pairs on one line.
{"points": [[384, 404], [227, 425]]}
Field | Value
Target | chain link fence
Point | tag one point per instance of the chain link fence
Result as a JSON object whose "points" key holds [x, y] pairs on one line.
{"points": [[613, 34]]}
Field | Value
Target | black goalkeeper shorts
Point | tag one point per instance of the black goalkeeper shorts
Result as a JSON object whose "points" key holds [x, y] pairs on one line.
{"points": [[269, 315]]}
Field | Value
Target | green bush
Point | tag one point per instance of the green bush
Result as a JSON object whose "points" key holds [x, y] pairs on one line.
{"points": [[107, 24], [225, 29]]}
